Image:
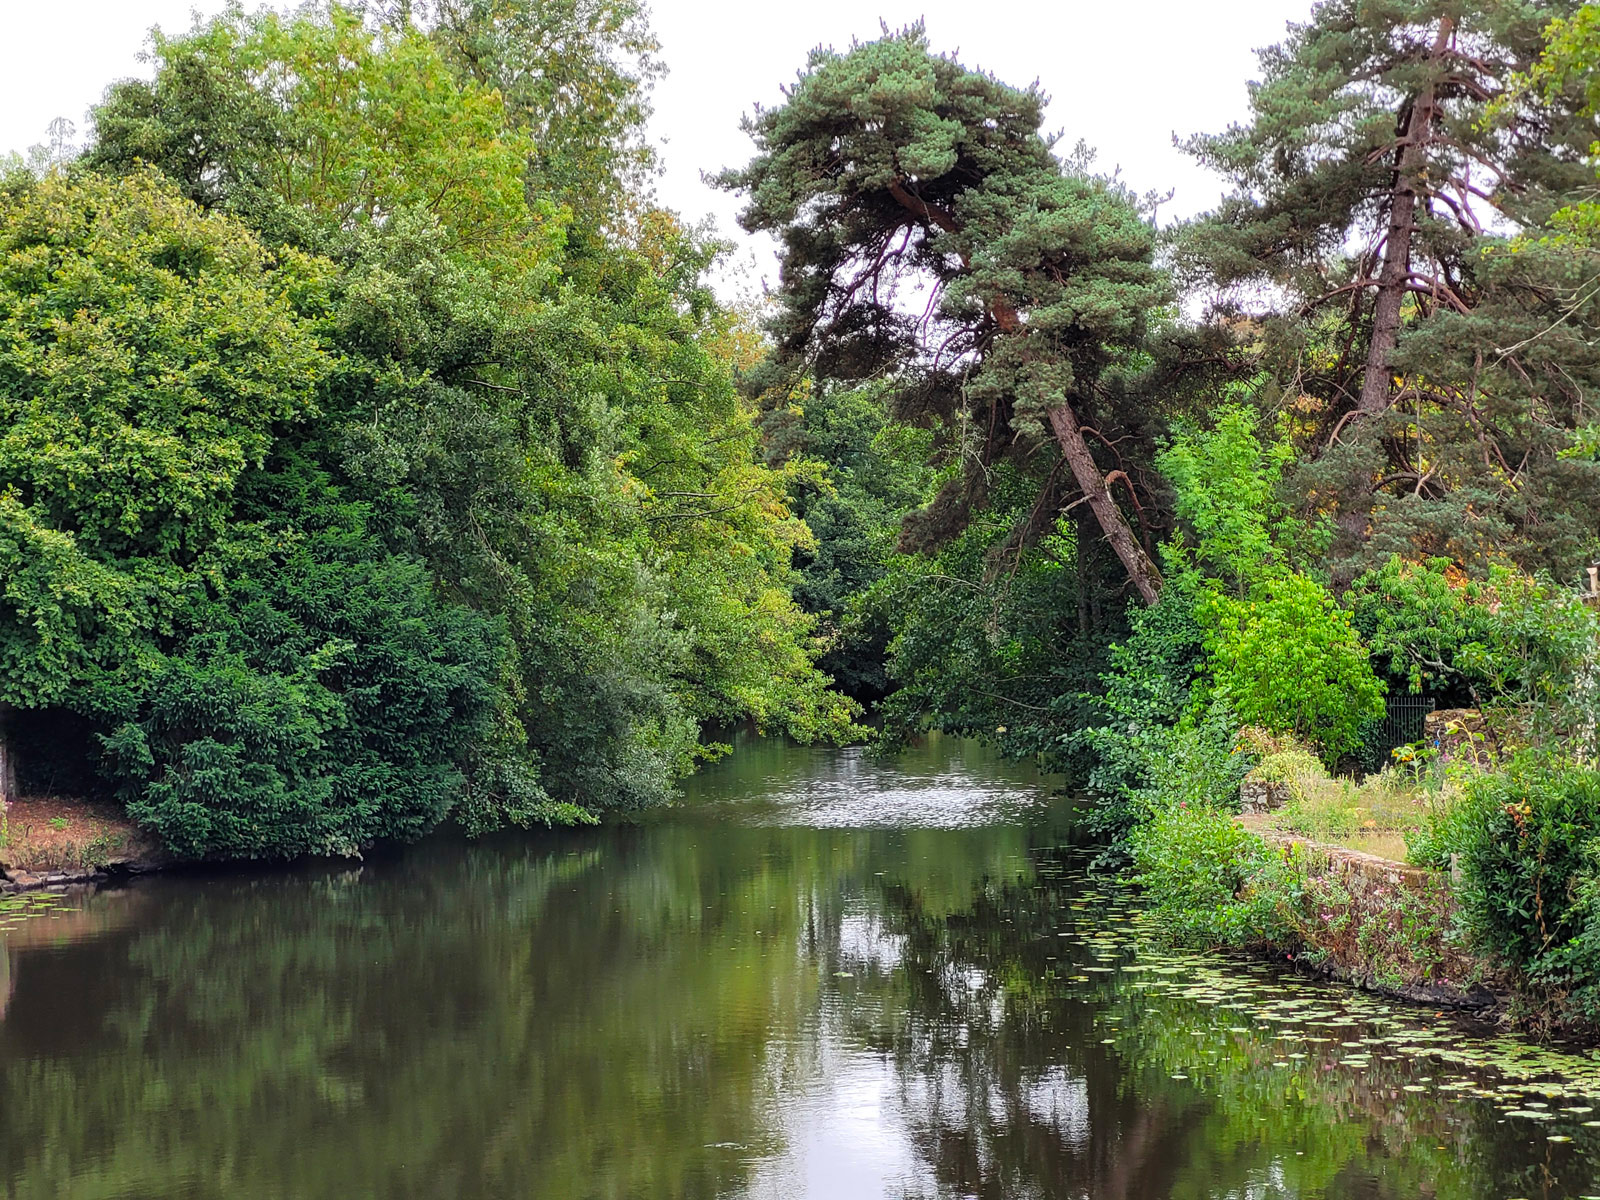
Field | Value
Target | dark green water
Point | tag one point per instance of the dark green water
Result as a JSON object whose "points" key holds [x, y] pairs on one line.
{"points": [[822, 978]]}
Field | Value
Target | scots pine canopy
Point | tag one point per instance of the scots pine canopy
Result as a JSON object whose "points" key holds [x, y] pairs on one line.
{"points": [[1367, 252], [930, 234]]}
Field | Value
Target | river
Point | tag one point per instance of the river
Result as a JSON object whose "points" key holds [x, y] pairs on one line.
{"points": [[822, 977]]}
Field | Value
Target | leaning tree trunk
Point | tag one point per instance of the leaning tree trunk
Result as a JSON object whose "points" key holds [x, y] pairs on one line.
{"points": [[1394, 276], [1090, 479], [1092, 482]]}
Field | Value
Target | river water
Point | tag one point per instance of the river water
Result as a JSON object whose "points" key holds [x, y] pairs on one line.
{"points": [[821, 978]]}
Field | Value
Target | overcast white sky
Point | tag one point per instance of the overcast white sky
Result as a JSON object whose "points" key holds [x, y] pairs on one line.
{"points": [[1123, 76]]}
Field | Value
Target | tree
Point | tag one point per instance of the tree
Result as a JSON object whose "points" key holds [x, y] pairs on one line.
{"points": [[890, 169], [552, 428], [1370, 186], [266, 676], [1569, 66], [576, 76], [148, 351], [315, 127]]}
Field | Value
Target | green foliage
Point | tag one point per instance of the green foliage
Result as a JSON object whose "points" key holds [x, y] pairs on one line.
{"points": [[1144, 719], [323, 700], [522, 544], [1226, 492], [1197, 864], [1429, 627], [315, 126], [1541, 662], [994, 646], [875, 474], [1280, 653], [1568, 67], [1446, 434], [575, 76], [148, 351], [890, 167], [1289, 661], [1528, 840]]}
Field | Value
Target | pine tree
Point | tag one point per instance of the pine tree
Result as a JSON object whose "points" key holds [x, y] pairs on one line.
{"points": [[1366, 239], [930, 234]]}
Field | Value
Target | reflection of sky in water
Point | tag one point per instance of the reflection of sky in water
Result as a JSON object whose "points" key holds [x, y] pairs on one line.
{"points": [[936, 785], [843, 1134], [849, 1118]]}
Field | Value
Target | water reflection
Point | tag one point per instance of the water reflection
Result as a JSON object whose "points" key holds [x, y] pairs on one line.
{"points": [[718, 1004]]}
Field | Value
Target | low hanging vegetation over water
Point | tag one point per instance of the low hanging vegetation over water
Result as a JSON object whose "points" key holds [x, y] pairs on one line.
{"points": [[374, 453]]}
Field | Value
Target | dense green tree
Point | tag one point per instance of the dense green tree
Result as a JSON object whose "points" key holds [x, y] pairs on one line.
{"points": [[268, 677], [553, 429], [149, 352], [319, 698], [317, 126], [576, 75]]}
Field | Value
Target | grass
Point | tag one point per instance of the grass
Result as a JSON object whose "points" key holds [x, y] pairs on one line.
{"points": [[1374, 815]]}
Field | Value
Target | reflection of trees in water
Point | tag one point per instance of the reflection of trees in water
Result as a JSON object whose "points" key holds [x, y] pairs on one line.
{"points": [[1009, 1096], [600, 1015], [1011, 1093], [408, 1033], [628, 1013]]}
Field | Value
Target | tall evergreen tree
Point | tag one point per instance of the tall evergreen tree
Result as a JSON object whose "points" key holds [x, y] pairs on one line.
{"points": [[929, 232], [1364, 238]]}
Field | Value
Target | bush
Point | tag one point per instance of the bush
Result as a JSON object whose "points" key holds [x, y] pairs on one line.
{"points": [[1289, 660], [1428, 627], [1199, 867], [325, 699], [1153, 682], [1528, 838]]}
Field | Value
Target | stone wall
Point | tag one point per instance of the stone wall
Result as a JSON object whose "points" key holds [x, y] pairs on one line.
{"points": [[1379, 924]]}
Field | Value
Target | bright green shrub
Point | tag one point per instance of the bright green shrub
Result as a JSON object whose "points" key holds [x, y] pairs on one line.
{"points": [[1197, 864], [1224, 483], [1288, 660]]}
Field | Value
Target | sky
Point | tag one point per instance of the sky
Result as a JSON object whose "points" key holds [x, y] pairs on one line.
{"points": [[1124, 77]]}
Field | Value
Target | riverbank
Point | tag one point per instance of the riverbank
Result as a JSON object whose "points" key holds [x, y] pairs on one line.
{"points": [[46, 841], [1466, 883], [1378, 924]]}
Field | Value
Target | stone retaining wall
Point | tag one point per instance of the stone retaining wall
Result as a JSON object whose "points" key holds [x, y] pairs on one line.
{"points": [[1379, 924]]}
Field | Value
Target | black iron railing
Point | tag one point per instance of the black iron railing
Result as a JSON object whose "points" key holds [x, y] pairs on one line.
{"points": [[1402, 723]]}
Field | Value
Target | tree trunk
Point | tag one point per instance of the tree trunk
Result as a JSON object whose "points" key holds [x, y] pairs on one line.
{"points": [[1395, 276], [1091, 481], [1093, 485], [8, 760]]}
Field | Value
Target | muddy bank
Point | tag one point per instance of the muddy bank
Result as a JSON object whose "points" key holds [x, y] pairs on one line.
{"points": [[47, 841]]}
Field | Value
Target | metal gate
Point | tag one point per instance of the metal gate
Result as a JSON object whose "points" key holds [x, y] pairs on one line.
{"points": [[1401, 724]]}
